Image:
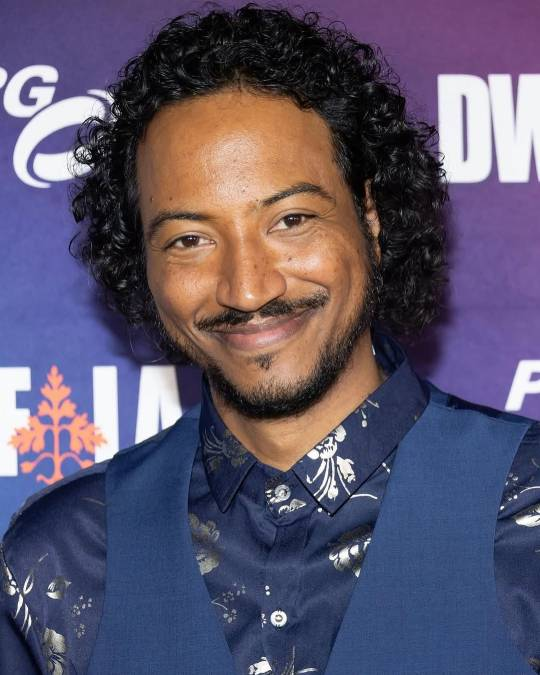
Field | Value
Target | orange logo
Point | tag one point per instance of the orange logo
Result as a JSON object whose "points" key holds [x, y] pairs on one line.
{"points": [[83, 435]]}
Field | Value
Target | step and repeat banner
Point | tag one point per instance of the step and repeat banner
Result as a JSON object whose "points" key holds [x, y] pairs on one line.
{"points": [[76, 385]]}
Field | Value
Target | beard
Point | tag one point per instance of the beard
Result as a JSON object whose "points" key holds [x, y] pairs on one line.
{"points": [[277, 399]]}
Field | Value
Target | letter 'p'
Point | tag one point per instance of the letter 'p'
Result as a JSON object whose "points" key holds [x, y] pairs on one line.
{"points": [[523, 384]]}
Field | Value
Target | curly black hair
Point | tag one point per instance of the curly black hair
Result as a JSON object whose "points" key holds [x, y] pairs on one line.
{"points": [[320, 67]]}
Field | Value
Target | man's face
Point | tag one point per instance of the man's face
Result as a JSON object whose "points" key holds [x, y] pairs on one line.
{"points": [[256, 261]]}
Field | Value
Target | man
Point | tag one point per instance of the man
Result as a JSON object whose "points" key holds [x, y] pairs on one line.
{"points": [[260, 200]]}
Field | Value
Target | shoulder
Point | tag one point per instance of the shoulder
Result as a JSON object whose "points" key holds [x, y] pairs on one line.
{"points": [[62, 501], [53, 557], [53, 554], [451, 402], [41, 511], [72, 506], [58, 532], [523, 479]]}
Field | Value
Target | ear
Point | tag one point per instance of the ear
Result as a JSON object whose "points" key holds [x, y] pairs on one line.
{"points": [[372, 218]]}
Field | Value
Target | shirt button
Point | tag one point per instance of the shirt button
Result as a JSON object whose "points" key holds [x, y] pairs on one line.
{"points": [[282, 492], [278, 618]]}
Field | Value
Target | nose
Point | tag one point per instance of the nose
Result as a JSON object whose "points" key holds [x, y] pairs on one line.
{"points": [[249, 277]]}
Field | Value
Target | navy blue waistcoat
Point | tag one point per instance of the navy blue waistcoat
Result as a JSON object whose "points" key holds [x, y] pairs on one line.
{"points": [[425, 601]]}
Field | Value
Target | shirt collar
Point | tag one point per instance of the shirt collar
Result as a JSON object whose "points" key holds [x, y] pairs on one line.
{"points": [[226, 460], [341, 462]]}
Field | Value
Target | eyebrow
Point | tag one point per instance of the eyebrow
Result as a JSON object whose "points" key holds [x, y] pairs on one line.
{"points": [[298, 188]]}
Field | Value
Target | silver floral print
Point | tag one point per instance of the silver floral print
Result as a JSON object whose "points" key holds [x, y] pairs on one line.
{"points": [[54, 650], [361, 410], [349, 551], [9, 585], [511, 490], [529, 517], [57, 588], [227, 601], [204, 536], [263, 667], [331, 466], [22, 611], [217, 450], [294, 505], [53, 644]]}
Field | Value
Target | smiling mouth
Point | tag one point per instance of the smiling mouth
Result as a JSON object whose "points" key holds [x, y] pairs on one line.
{"points": [[263, 333]]}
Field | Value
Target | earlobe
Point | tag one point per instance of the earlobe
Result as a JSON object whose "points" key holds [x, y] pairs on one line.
{"points": [[372, 218]]}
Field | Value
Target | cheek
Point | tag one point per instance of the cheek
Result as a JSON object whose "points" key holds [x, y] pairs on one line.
{"points": [[334, 262], [177, 292]]}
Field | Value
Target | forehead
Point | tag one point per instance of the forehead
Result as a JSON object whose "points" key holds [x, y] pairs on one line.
{"points": [[233, 141]]}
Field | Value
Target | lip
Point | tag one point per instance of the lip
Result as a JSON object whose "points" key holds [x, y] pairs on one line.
{"points": [[265, 333]]}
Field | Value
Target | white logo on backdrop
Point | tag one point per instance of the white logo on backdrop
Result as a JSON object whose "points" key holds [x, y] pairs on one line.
{"points": [[45, 118], [158, 407], [479, 122]]}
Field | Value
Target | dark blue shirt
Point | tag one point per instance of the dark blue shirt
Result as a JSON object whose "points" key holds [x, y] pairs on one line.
{"points": [[280, 552]]}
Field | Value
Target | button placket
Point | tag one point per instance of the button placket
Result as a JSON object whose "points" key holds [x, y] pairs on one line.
{"points": [[288, 507]]}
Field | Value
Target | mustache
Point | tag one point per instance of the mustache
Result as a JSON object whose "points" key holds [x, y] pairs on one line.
{"points": [[275, 308]]}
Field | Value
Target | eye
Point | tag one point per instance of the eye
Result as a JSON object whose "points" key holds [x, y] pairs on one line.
{"points": [[294, 220], [189, 241]]}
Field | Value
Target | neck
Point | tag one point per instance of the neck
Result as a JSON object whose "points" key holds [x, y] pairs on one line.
{"points": [[281, 443]]}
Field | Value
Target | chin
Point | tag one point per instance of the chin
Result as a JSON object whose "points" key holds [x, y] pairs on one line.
{"points": [[258, 377]]}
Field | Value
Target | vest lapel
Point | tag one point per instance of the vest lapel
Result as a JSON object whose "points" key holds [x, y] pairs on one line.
{"points": [[157, 615]]}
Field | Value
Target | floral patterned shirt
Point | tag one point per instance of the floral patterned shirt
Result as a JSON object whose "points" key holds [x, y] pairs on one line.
{"points": [[280, 552]]}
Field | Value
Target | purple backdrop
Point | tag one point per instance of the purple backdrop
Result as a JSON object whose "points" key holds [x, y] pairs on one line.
{"points": [[471, 68]]}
